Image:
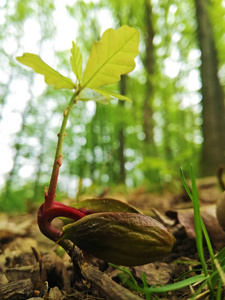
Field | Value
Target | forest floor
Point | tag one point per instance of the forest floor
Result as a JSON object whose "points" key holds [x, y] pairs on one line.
{"points": [[31, 266]]}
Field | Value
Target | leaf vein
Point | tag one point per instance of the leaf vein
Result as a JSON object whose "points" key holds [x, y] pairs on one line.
{"points": [[107, 60]]}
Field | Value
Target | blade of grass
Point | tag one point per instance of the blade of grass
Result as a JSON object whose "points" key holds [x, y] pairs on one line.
{"points": [[198, 291], [200, 296], [125, 270], [209, 245], [208, 242], [199, 225], [220, 270], [197, 217], [220, 259], [209, 279], [175, 286], [145, 284], [185, 184], [219, 291], [198, 221], [221, 256], [187, 274], [162, 289]]}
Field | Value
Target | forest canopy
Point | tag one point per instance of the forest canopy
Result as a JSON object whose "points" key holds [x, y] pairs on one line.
{"points": [[176, 117]]}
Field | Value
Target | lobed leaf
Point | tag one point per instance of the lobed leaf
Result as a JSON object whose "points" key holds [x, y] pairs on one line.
{"points": [[76, 61], [52, 77], [111, 57]]}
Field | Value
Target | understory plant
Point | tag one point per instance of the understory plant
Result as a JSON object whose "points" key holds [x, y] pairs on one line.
{"points": [[207, 285], [106, 228]]}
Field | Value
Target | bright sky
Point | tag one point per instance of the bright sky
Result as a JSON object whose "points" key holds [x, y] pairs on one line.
{"points": [[11, 115]]}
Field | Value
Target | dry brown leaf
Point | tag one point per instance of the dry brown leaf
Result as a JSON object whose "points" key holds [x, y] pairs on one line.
{"points": [[10, 229], [156, 273], [208, 214]]}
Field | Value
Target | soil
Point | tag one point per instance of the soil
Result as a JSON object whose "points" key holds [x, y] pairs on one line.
{"points": [[33, 267]]}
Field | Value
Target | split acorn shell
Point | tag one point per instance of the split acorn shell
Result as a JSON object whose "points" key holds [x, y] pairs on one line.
{"points": [[123, 238]]}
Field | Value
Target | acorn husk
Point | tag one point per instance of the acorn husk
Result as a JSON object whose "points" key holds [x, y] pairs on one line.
{"points": [[123, 238]]}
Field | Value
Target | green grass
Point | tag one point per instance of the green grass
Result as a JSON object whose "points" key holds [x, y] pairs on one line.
{"points": [[212, 278]]}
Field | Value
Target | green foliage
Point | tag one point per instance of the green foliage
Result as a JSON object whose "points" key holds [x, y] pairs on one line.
{"points": [[109, 59], [17, 199], [92, 144]]}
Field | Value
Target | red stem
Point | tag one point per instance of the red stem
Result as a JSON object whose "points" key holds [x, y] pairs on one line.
{"points": [[58, 209], [51, 209], [50, 194]]}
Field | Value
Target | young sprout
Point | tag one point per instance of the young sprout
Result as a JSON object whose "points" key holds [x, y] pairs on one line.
{"points": [[106, 228]]}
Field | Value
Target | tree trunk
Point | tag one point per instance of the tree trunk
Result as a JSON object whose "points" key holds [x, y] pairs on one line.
{"points": [[122, 175], [38, 189], [148, 124], [213, 127], [18, 147]]}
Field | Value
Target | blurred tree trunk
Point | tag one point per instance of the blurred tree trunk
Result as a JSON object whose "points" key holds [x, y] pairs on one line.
{"points": [[93, 142], [122, 175], [148, 124], [213, 127], [166, 132], [18, 148], [38, 187], [123, 19]]}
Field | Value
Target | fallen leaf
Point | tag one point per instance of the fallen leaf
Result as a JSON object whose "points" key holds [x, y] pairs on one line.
{"points": [[156, 273], [208, 214]]}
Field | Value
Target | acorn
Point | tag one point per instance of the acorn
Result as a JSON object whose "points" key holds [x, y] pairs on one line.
{"points": [[122, 238]]}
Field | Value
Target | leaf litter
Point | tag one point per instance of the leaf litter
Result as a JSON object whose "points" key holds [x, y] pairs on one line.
{"points": [[33, 267]]}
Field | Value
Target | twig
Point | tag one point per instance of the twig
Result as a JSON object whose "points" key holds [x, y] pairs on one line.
{"points": [[105, 285]]}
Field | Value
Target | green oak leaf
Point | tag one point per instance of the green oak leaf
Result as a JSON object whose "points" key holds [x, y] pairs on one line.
{"points": [[111, 57], [52, 77], [109, 94], [76, 61]]}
